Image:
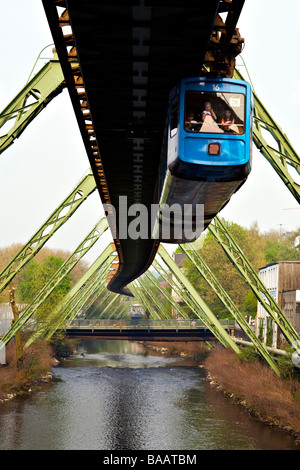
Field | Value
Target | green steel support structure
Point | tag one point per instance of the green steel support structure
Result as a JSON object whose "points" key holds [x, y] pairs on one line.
{"points": [[65, 269], [203, 311], [110, 303], [93, 287], [100, 289], [211, 279], [72, 303], [36, 94], [282, 157], [123, 310], [140, 296], [80, 193], [30, 101], [162, 313], [95, 294], [166, 294], [181, 292], [60, 314], [239, 260]]}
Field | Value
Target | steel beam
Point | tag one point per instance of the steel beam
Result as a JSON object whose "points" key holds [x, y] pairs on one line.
{"points": [[110, 303], [140, 296], [94, 287], [213, 282], [61, 313], [203, 311], [65, 269], [241, 263], [80, 193], [152, 298], [284, 156], [166, 294], [30, 101]]}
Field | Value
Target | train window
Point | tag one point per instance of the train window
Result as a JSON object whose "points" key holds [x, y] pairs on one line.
{"points": [[174, 118], [209, 112]]}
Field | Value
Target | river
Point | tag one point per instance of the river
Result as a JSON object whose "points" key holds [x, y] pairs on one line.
{"points": [[115, 395]]}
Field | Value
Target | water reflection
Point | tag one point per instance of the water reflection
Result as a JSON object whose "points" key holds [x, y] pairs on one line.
{"points": [[116, 396]]}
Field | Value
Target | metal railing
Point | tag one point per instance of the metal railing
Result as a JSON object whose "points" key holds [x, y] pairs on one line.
{"points": [[122, 324]]}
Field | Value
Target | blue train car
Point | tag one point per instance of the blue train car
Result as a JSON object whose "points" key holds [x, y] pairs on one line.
{"points": [[206, 154]]}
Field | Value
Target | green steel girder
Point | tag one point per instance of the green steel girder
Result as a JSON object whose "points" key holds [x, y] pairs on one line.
{"points": [[69, 306], [92, 289], [179, 291], [30, 101], [98, 293], [237, 257], [65, 269], [211, 279], [282, 157], [80, 193], [69, 309], [203, 311], [139, 295], [88, 292], [182, 293], [110, 303], [106, 257], [155, 300], [166, 294]]}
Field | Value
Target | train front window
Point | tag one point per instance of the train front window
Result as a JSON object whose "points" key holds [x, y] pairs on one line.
{"points": [[214, 113]]}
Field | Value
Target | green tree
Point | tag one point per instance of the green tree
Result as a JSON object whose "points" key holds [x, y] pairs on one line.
{"points": [[281, 248], [35, 276], [252, 244]]}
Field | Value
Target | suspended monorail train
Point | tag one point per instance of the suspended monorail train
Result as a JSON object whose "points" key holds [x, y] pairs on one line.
{"points": [[206, 154]]}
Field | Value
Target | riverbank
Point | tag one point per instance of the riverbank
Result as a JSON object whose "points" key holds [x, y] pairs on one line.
{"points": [[249, 383], [35, 368]]}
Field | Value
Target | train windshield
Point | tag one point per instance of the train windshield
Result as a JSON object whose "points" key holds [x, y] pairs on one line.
{"points": [[214, 112]]}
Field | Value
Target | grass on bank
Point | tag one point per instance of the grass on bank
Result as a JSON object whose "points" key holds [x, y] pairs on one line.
{"points": [[273, 399]]}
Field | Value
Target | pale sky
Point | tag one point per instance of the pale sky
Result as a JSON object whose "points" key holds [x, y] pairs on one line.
{"points": [[42, 167]]}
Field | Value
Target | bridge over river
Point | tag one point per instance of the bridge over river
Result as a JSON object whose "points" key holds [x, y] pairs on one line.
{"points": [[144, 330]]}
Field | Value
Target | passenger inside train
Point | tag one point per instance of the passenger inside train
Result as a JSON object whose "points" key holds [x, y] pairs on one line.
{"points": [[216, 113]]}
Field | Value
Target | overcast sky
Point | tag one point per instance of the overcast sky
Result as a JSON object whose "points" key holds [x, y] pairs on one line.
{"points": [[42, 167]]}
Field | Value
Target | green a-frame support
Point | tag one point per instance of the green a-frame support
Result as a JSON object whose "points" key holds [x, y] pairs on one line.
{"points": [[66, 267], [284, 156]]}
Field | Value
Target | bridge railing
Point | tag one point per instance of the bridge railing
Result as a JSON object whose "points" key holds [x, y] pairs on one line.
{"points": [[121, 324]]}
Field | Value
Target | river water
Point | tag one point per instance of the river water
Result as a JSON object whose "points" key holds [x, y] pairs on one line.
{"points": [[115, 395]]}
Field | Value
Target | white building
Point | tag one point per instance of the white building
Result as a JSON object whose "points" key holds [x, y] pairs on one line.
{"points": [[282, 280]]}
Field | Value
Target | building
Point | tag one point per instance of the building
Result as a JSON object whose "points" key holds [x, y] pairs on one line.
{"points": [[6, 317], [282, 279]]}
